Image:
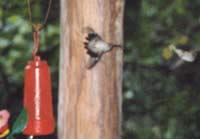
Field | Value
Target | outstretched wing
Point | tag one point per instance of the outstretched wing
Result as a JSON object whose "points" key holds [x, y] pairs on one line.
{"points": [[92, 62]]}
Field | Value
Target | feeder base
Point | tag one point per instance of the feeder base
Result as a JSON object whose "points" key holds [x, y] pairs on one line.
{"points": [[39, 127]]}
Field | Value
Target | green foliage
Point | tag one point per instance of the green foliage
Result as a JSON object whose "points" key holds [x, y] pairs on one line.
{"points": [[160, 102]]}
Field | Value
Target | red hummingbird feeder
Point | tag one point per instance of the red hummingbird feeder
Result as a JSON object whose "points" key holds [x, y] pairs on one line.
{"points": [[37, 95]]}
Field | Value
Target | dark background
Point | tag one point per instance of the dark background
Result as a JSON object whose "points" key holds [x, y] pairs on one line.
{"points": [[159, 102]]}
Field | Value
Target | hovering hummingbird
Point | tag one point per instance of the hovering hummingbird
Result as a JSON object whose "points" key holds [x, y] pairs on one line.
{"points": [[188, 56], [184, 56], [96, 47]]}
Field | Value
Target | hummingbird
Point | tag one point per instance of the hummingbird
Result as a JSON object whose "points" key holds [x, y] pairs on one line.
{"points": [[184, 56], [188, 56], [96, 47]]}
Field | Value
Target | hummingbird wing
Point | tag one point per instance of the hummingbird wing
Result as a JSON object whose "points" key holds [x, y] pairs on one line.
{"points": [[177, 64], [91, 53], [188, 56], [92, 62]]}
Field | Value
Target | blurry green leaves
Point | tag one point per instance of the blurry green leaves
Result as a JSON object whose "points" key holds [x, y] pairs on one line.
{"points": [[19, 40], [180, 40], [180, 7], [1, 13], [25, 28], [17, 23], [149, 10], [131, 54], [53, 30], [171, 9], [12, 23], [14, 19], [171, 130], [4, 43], [167, 53], [129, 95]]}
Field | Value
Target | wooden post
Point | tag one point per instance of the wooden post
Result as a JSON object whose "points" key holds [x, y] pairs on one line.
{"points": [[90, 100]]}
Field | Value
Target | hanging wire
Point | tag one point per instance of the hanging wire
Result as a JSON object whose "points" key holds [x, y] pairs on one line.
{"points": [[37, 27], [36, 38]]}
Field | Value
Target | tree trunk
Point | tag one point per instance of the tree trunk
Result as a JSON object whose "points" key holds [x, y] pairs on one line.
{"points": [[90, 99]]}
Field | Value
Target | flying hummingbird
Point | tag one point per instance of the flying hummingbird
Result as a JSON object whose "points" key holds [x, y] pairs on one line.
{"points": [[188, 56], [96, 47], [184, 56]]}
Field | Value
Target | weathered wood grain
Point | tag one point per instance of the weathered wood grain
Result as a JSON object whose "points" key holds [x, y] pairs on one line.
{"points": [[90, 100]]}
